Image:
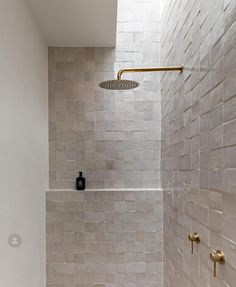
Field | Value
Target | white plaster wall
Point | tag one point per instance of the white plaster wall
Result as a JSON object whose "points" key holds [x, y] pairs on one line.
{"points": [[23, 145]]}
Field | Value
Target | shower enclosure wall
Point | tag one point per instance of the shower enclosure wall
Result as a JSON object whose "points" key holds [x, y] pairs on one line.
{"points": [[113, 237], [106, 237], [199, 141]]}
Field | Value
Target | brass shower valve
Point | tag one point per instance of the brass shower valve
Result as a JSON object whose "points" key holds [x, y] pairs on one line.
{"points": [[195, 237], [217, 257]]}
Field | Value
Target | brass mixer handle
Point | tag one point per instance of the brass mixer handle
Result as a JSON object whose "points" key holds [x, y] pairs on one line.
{"points": [[217, 257], [193, 238]]}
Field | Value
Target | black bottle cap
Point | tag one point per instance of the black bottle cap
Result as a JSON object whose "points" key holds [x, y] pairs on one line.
{"points": [[80, 173]]}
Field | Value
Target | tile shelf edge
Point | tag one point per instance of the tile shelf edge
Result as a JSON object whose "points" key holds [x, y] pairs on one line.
{"points": [[105, 189]]}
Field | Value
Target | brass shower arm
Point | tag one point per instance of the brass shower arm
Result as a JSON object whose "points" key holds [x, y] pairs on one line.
{"points": [[149, 69], [120, 84]]}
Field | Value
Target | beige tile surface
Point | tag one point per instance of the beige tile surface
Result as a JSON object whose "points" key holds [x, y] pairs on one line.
{"points": [[198, 164], [104, 238], [114, 137]]}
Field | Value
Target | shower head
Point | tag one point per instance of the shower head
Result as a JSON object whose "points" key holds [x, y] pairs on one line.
{"points": [[119, 84]]}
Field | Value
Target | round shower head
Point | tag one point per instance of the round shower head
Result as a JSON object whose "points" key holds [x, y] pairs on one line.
{"points": [[119, 84]]}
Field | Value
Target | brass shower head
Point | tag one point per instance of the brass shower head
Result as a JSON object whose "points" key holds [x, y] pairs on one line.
{"points": [[120, 84]]}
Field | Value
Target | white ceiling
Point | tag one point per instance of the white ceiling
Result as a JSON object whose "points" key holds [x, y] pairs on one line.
{"points": [[76, 23]]}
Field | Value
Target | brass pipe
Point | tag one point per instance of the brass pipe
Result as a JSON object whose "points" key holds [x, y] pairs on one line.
{"points": [[149, 69]]}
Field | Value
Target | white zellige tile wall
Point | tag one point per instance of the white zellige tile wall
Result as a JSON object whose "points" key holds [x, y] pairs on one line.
{"points": [[199, 141], [104, 238], [113, 136], [101, 238]]}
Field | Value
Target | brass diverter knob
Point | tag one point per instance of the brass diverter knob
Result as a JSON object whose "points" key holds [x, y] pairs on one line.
{"points": [[217, 257], [195, 237]]}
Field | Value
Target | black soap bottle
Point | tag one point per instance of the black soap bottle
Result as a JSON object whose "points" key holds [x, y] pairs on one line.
{"points": [[80, 182]]}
